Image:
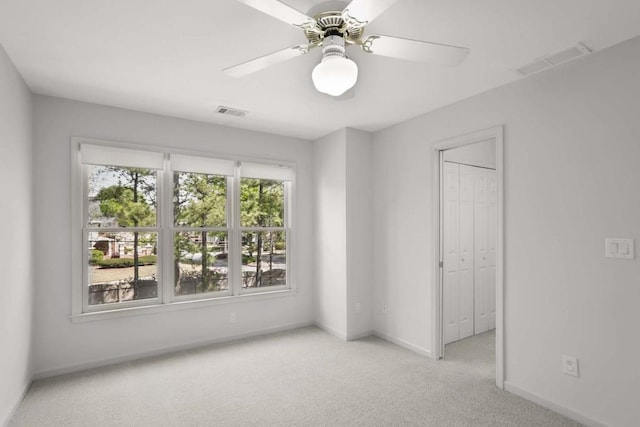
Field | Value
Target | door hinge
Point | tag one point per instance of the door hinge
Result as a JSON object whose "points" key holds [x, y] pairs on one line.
{"points": [[441, 264]]}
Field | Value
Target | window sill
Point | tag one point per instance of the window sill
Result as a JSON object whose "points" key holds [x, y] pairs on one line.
{"points": [[178, 305]]}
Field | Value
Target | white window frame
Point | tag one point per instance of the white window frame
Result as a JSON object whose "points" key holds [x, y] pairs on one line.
{"points": [[166, 229], [173, 229], [286, 228]]}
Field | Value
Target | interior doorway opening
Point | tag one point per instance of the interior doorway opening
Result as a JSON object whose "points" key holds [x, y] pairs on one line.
{"points": [[468, 289]]}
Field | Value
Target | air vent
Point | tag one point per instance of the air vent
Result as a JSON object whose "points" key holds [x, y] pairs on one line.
{"points": [[554, 59], [230, 111]]}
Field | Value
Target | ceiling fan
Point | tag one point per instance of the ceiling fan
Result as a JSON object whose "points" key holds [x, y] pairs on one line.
{"points": [[334, 31]]}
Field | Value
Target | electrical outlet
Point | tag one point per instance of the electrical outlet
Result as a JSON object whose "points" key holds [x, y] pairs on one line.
{"points": [[385, 309], [358, 308], [570, 365], [232, 317]]}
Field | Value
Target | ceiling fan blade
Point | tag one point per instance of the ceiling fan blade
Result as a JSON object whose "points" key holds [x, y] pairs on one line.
{"points": [[414, 50], [265, 61], [282, 12], [361, 12]]}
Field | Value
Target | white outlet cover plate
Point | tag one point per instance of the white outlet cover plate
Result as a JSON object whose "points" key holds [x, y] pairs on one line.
{"points": [[570, 365]]}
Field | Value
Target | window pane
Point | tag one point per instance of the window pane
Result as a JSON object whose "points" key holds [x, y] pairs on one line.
{"points": [[199, 200], [261, 203], [122, 267], [121, 197], [201, 262], [270, 248]]}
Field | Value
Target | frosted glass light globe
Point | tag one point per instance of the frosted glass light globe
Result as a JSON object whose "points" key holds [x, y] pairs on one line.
{"points": [[334, 75]]}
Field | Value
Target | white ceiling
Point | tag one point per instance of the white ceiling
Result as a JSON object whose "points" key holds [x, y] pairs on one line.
{"points": [[166, 56]]}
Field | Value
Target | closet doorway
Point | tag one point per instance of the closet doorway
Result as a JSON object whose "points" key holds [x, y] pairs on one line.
{"points": [[469, 240], [468, 218]]}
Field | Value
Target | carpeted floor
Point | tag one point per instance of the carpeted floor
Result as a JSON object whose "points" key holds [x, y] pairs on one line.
{"points": [[303, 377]]}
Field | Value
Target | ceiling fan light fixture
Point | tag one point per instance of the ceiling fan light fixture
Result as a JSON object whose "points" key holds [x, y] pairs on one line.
{"points": [[336, 73]]}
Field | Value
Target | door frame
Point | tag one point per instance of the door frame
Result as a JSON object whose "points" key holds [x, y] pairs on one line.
{"points": [[497, 134]]}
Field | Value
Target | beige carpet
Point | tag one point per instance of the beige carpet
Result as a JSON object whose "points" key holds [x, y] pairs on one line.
{"points": [[304, 377]]}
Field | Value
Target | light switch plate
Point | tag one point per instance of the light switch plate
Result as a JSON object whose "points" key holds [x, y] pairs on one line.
{"points": [[618, 248]]}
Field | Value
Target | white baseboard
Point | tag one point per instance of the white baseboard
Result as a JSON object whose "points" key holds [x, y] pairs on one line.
{"points": [[562, 410], [164, 350], [5, 423], [358, 336], [330, 330], [403, 343]]}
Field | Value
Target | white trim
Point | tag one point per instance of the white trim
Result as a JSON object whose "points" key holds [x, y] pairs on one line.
{"points": [[78, 266], [436, 290], [562, 410], [16, 405], [179, 305], [289, 222], [165, 350], [500, 344], [360, 335], [235, 234], [166, 222], [330, 330], [261, 289], [404, 344], [497, 134]]}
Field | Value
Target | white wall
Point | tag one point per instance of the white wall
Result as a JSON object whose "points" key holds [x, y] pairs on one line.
{"points": [[16, 255], [330, 238], [572, 149], [344, 233], [359, 199], [481, 154], [62, 345]]}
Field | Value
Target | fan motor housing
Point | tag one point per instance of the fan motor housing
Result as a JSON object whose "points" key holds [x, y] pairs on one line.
{"points": [[331, 24]]}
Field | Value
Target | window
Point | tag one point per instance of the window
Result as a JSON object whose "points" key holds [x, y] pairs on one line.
{"points": [[162, 227], [263, 219]]}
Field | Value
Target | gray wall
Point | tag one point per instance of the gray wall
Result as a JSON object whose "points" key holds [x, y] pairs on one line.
{"points": [[63, 346], [572, 149], [16, 254]]}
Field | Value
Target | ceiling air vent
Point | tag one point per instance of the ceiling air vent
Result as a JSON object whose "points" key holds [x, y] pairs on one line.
{"points": [[230, 111], [554, 59]]}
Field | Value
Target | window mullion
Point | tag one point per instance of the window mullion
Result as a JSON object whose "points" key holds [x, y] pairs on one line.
{"points": [[236, 236], [84, 170], [166, 234], [288, 224]]}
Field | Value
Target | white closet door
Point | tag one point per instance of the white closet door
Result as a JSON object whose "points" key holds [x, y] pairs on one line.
{"points": [[481, 243], [451, 256], [469, 263], [485, 250], [467, 183]]}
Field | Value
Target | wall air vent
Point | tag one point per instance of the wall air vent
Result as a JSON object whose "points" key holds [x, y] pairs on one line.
{"points": [[554, 59], [230, 111]]}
